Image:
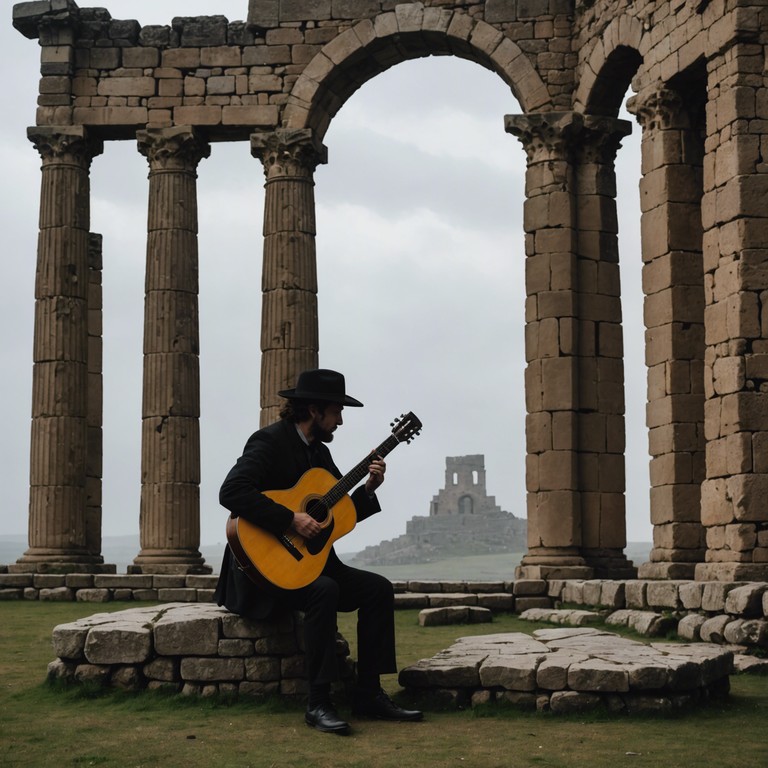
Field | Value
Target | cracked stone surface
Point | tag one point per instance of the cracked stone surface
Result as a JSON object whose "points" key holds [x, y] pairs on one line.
{"points": [[598, 667]]}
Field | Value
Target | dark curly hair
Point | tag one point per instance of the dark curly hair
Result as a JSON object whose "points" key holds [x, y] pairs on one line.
{"points": [[298, 410]]}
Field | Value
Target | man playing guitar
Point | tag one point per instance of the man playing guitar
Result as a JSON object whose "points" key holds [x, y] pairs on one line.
{"points": [[278, 457]]}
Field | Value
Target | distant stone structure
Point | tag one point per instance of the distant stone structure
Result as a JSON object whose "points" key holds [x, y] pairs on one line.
{"points": [[274, 82], [463, 520]]}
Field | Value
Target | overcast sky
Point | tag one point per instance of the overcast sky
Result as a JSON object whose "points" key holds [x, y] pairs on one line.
{"points": [[421, 287]]}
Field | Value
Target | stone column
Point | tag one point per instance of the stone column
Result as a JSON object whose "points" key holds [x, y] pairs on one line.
{"points": [[289, 332], [551, 342], [734, 508], [95, 404], [674, 318], [170, 446], [601, 434], [59, 443]]}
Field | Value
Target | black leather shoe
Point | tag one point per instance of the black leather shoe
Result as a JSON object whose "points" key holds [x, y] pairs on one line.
{"points": [[380, 707], [325, 718]]}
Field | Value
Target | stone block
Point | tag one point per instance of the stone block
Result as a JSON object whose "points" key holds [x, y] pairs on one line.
{"points": [[529, 587], [211, 669], [713, 629], [443, 599], [664, 594], [524, 603], [714, 595], [118, 642], [515, 673], [751, 632], [746, 601], [498, 601], [93, 596], [690, 593], [688, 628], [431, 617], [411, 600], [262, 668], [180, 632], [596, 675]]}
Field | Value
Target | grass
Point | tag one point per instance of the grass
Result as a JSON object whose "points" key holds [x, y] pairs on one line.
{"points": [[45, 726]]}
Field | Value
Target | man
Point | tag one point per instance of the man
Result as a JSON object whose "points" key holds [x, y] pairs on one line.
{"points": [[275, 458]]}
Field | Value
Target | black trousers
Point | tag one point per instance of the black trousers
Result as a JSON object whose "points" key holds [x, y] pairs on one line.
{"points": [[343, 588]]}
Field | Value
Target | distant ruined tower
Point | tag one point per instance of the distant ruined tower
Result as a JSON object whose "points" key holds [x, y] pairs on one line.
{"points": [[463, 520], [464, 492]]}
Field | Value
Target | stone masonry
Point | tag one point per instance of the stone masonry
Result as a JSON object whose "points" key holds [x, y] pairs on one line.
{"points": [[274, 82]]}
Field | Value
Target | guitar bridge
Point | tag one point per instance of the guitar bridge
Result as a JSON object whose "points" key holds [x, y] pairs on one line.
{"points": [[288, 544]]}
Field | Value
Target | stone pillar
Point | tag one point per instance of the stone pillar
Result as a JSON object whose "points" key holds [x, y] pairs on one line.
{"points": [[734, 508], [289, 332], [601, 434], [671, 191], [58, 539], [170, 445], [95, 404], [551, 343]]}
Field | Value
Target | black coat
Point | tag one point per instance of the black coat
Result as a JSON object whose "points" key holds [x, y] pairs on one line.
{"points": [[274, 458]]}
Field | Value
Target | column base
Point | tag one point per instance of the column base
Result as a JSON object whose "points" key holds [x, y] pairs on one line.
{"points": [[553, 564], [169, 562], [662, 571], [731, 572], [63, 565], [610, 564]]}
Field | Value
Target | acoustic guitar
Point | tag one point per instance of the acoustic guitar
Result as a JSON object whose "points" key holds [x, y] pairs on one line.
{"points": [[290, 561]]}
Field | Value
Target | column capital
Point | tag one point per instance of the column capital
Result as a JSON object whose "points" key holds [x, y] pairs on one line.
{"points": [[545, 136], [659, 107], [288, 152], [67, 144], [178, 148], [600, 138]]}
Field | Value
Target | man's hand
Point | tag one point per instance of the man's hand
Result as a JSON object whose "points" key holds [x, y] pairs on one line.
{"points": [[305, 525], [376, 470]]}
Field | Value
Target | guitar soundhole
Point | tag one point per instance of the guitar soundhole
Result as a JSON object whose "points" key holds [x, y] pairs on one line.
{"points": [[317, 510]]}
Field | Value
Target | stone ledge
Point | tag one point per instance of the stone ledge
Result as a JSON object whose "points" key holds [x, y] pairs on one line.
{"points": [[567, 670], [457, 614], [187, 648]]}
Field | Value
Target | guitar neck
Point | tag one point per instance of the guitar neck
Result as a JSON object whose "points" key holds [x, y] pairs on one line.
{"points": [[357, 473]]}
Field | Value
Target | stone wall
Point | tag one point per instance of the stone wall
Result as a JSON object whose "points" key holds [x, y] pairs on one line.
{"points": [[198, 649]]}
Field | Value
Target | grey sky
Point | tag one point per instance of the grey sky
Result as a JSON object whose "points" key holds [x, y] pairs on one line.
{"points": [[420, 261]]}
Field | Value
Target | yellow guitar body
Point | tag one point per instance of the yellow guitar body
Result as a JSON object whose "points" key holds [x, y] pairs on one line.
{"points": [[291, 561]]}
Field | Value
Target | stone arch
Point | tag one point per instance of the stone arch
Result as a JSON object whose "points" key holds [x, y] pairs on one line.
{"points": [[374, 45], [618, 51]]}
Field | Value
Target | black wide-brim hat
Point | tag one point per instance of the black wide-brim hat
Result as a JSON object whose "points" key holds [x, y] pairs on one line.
{"points": [[321, 384]]}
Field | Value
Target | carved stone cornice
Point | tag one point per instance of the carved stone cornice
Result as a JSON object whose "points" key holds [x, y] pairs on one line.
{"points": [[179, 148], [659, 108], [68, 144], [292, 153]]}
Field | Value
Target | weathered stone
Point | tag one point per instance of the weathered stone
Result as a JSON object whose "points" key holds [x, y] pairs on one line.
{"points": [[118, 643]]}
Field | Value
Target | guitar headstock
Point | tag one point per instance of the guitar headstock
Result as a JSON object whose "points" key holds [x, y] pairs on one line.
{"points": [[406, 427]]}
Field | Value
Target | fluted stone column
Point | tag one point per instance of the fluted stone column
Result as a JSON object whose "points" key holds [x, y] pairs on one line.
{"points": [[551, 343], [289, 331], [601, 433], [59, 443], [673, 284], [95, 404], [170, 455]]}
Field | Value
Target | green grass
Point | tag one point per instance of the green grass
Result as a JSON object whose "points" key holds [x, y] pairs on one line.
{"points": [[45, 726]]}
